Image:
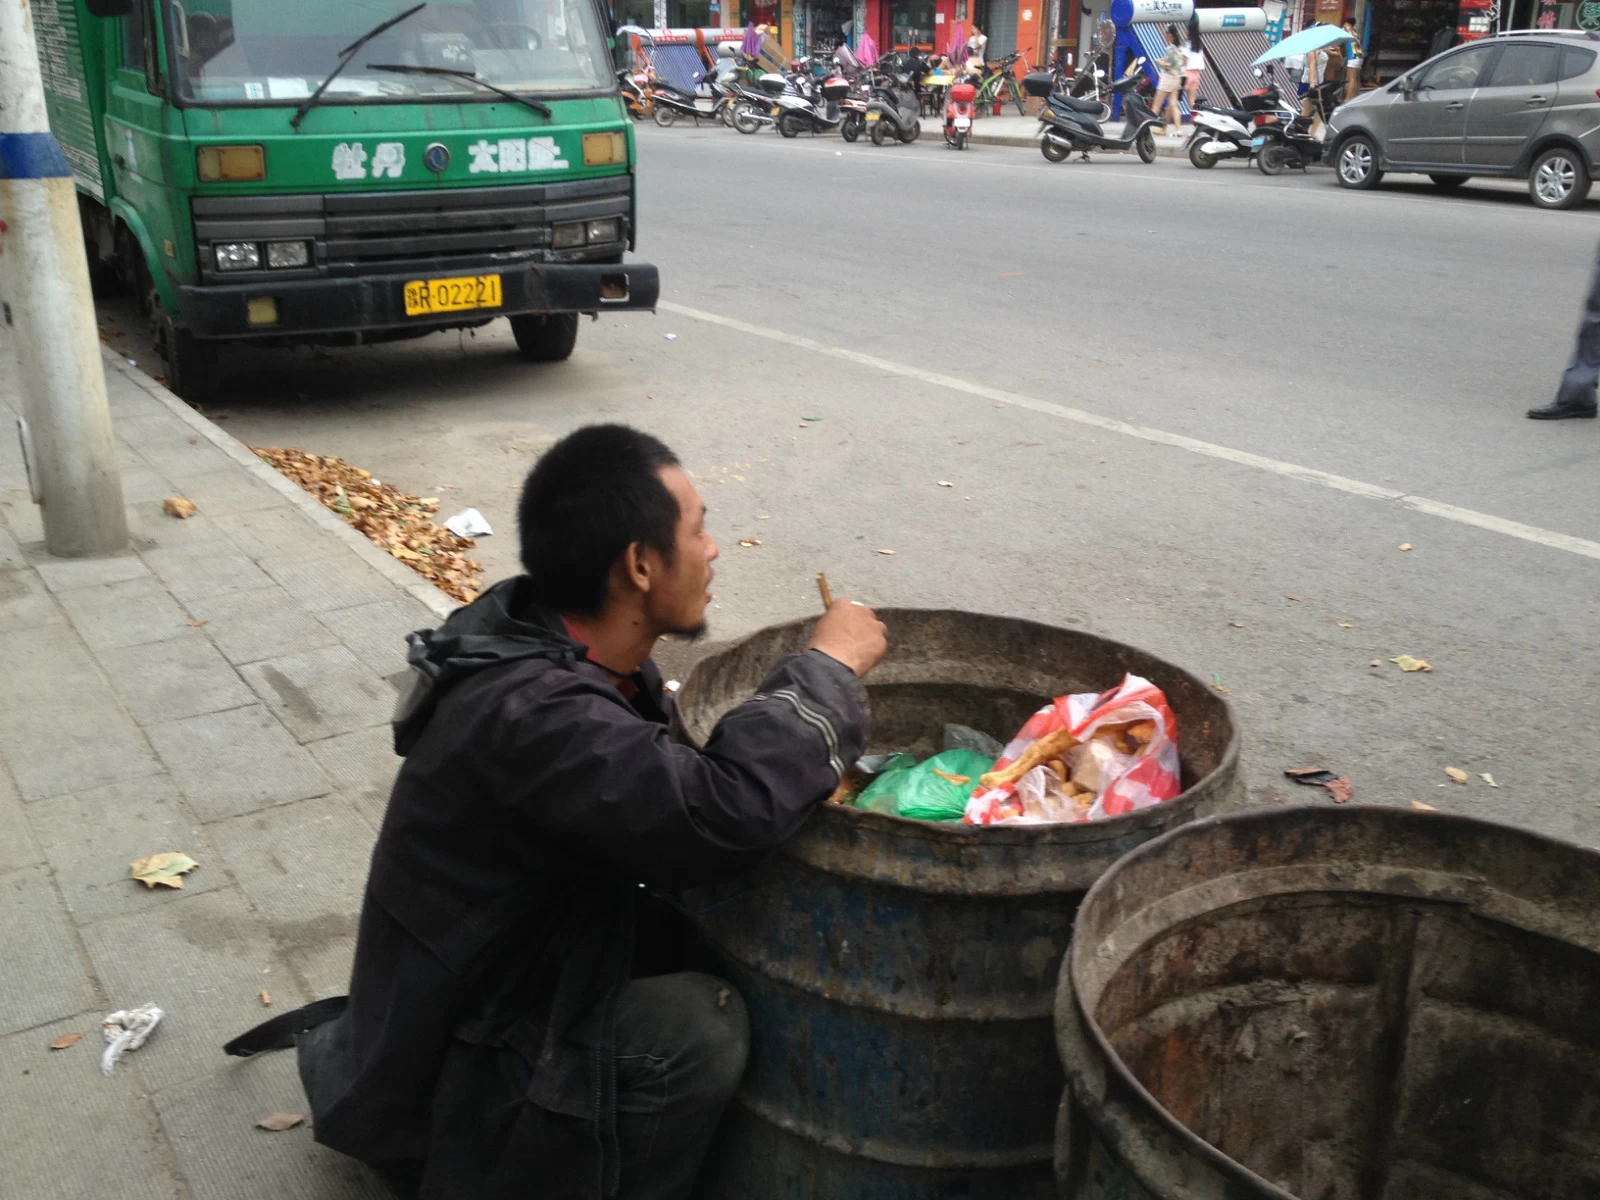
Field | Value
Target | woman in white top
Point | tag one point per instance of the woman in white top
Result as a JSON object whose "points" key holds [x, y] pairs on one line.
{"points": [[1194, 65], [1170, 79], [977, 46]]}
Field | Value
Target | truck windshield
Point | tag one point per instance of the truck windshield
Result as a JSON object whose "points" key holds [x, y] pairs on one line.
{"points": [[249, 51]]}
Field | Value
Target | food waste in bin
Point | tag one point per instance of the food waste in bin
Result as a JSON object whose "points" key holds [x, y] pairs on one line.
{"points": [[1083, 757]]}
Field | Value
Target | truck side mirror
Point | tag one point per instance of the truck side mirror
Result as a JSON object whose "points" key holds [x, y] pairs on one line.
{"points": [[109, 8]]}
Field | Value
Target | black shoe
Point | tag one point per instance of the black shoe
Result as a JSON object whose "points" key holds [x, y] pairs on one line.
{"points": [[1558, 410]]}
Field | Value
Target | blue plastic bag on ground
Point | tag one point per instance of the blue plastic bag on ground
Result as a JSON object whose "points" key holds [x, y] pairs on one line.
{"points": [[934, 790]]}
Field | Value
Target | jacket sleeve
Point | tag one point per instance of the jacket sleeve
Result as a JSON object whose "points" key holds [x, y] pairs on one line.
{"points": [[618, 791]]}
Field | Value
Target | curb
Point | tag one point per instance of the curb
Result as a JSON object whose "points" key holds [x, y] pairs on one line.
{"points": [[403, 578]]}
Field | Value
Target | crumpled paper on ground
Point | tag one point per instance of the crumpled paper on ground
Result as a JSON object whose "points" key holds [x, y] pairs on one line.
{"points": [[127, 1029], [468, 523]]}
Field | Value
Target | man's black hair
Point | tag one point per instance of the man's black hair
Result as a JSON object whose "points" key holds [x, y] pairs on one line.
{"points": [[588, 498]]}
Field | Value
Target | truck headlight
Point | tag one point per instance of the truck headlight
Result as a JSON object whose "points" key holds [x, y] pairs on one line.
{"points": [[603, 231], [237, 256], [568, 236], [282, 255]]}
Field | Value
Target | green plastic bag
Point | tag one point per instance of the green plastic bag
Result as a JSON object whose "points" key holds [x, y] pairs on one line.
{"points": [[919, 794]]}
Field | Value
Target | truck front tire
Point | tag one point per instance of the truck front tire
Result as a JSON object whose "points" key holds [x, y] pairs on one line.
{"points": [[545, 337], [193, 365]]}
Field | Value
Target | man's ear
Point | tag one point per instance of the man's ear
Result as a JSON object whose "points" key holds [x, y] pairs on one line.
{"points": [[638, 568]]}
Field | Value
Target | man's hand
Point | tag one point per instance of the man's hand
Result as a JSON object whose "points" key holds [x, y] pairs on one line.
{"points": [[852, 634]]}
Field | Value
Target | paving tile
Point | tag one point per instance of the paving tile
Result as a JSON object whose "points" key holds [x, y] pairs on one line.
{"points": [[284, 531], [260, 623], [69, 1132], [23, 518], [48, 667], [166, 681], [204, 961], [362, 765], [164, 439], [326, 584], [143, 483], [92, 839], [376, 633], [45, 977], [235, 762], [152, 528], [321, 693], [124, 614], [194, 572], [225, 489], [62, 574], [71, 749], [17, 847], [210, 1126], [10, 552], [304, 868], [25, 603]]}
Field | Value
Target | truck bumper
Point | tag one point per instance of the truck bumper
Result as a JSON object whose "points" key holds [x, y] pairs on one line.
{"points": [[309, 307]]}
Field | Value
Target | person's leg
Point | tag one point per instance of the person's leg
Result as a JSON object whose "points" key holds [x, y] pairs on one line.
{"points": [[681, 1046], [1576, 395]]}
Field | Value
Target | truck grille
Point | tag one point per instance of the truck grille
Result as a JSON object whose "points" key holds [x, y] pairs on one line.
{"points": [[358, 233]]}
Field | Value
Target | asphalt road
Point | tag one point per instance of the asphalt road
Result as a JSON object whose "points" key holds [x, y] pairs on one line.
{"points": [[1197, 411]]}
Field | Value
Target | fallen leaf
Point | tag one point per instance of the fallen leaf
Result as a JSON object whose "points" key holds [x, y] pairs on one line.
{"points": [[1405, 545], [1287, 596], [1237, 624], [177, 506], [1346, 625], [1406, 663], [165, 869], [1226, 691], [1456, 773], [885, 551], [1418, 804], [266, 998], [278, 1122], [1489, 779], [65, 1040], [749, 541], [945, 483], [1338, 786], [196, 624], [763, 518], [1377, 662], [811, 418]]}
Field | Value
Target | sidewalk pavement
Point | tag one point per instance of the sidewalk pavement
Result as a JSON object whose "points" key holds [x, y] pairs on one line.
{"points": [[223, 689], [1009, 129]]}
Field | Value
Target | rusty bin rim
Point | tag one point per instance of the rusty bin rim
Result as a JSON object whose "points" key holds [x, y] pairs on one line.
{"points": [[961, 833], [1073, 963]]}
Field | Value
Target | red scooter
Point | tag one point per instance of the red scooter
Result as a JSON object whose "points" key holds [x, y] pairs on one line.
{"points": [[958, 115]]}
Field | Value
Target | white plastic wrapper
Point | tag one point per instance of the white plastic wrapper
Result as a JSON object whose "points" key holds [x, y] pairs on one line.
{"points": [[127, 1029]]}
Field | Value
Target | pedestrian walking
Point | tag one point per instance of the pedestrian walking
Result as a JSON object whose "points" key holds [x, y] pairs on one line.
{"points": [[1170, 81], [1353, 55], [1576, 395], [1194, 65]]}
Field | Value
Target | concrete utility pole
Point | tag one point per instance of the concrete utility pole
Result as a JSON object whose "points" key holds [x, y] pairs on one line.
{"points": [[44, 281]]}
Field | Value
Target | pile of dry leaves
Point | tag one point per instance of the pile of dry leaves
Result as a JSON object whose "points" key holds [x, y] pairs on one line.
{"points": [[398, 523]]}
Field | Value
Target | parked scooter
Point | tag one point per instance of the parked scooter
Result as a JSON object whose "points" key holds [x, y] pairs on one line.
{"points": [[634, 96], [1068, 124], [893, 111], [1289, 144], [1221, 133], [799, 105], [672, 102], [750, 109], [958, 112]]}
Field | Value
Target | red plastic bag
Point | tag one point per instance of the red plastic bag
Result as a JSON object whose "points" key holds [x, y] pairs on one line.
{"points": [[1113, 768]]}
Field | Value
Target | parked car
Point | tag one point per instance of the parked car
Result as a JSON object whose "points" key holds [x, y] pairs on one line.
{"points": [[1522, 105]]}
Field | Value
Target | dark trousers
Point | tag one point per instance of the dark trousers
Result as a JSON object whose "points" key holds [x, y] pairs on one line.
{"points": [[1583, 369], [682, 1040]]}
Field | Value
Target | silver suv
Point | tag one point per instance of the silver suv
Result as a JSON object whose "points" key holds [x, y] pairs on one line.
{"points": [[1517, 105]]}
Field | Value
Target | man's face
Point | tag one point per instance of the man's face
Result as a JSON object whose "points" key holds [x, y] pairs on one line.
{"points": [[679, 604]]}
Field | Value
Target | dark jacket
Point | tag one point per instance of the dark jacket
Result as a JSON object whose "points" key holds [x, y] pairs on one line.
{"points": [[475, 1056]]}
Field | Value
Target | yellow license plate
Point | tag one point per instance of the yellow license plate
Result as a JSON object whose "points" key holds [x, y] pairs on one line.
{"points": [[427, 296], [776, 111], [873, 116]]}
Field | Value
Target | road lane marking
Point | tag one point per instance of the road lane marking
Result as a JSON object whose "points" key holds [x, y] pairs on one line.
{"points": [[1549, 538]]}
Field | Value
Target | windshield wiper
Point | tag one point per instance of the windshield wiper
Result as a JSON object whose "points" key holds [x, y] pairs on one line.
{"points": [[542, 109], [345, 55]]}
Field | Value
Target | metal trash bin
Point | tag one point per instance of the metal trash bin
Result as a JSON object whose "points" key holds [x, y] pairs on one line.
{"points": [[900, 974], [1335, 1004]]}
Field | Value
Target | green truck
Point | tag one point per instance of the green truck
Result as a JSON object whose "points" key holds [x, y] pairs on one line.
{"points": [[346, 171]]}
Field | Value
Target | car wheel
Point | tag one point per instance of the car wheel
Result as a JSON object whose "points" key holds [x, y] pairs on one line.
{"points": [[1448, 183], [194, 368], [1053, 151], [1559, 179], [1197, 155], [1146, 146], [1358, 163], [545, 337]]}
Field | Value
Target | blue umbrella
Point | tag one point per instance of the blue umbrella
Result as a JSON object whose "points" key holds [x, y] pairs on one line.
{"points": [[1307, 41]]}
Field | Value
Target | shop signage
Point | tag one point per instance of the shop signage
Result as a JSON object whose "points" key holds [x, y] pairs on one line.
{"points": [[1589, 15]]}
